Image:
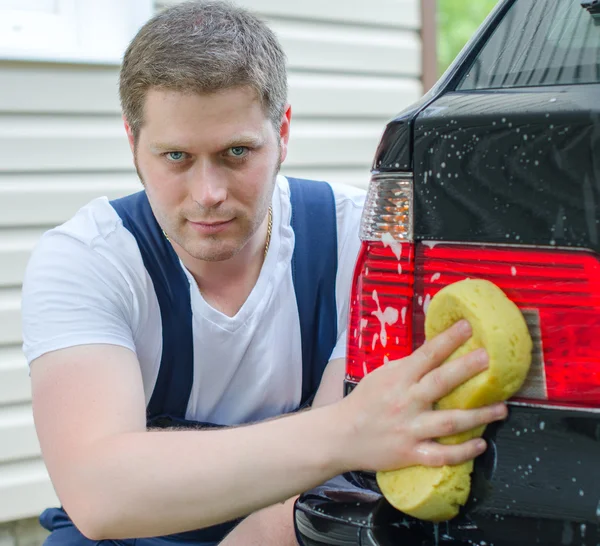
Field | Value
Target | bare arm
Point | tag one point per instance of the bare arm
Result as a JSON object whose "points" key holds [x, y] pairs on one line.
{"points": [[89, 410], [117, 480]]}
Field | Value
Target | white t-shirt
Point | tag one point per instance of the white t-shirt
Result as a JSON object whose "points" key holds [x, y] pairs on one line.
{"points": [[86, 284]]}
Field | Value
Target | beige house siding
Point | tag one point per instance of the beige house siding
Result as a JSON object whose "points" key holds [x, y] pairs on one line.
{"points": [[352, 65]]}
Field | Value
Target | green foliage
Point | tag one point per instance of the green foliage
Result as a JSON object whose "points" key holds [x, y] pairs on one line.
{"points": [[457, 21]]}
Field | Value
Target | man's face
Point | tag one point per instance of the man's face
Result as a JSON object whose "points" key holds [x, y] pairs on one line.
{"points": [[209, 163]]}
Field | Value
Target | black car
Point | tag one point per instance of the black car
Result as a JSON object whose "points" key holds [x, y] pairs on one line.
{"points": [[494, 174]]}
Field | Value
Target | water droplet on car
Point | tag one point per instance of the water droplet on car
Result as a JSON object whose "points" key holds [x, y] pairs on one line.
{"points": [[426, 303]]}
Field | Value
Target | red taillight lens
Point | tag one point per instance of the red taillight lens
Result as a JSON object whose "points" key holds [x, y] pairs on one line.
{"points": [[381, 308], [558, 291]]}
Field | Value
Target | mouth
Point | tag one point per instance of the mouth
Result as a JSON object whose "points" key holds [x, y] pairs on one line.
{"points": [[211, 227]]}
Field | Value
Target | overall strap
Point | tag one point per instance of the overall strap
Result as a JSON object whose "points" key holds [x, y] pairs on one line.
{"points": [[314, 269], [176, 373]]}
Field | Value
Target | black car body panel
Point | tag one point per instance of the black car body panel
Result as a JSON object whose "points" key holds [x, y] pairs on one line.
{"points": [[510, 166]]}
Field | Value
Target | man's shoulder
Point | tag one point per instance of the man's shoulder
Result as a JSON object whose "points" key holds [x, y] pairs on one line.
{"points": [[96, 220], [95, 232], [348, 195], [83, 284]]}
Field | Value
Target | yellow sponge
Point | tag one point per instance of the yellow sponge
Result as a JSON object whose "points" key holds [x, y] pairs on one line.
{"points": [[436, 493]]}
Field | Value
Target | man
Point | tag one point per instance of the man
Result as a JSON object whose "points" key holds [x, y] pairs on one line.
{"points": [[149, 320]]}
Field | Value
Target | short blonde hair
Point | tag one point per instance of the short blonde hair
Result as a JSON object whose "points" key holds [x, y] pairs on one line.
{"points": [[203, 47]]}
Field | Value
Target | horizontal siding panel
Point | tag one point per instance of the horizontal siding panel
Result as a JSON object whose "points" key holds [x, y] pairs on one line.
{"points": [[67, 89], [48, 200], [64, 144], [398, 13], [15, 248], [19, 440], [351, 96], [25, 490], [335, 143], [15, 386], [336, 48], [10, 317]]}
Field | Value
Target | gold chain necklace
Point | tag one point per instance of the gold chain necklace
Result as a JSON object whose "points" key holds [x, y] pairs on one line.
{"points": [[269, 229]]}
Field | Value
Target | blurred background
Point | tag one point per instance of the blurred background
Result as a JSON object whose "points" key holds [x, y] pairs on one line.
{"points": [[456, 21], [352, 66]]}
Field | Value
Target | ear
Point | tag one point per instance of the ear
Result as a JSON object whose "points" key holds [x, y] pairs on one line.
{"points": [[130, 136], [284, 131]]}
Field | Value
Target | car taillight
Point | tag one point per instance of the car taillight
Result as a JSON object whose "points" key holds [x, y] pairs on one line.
{"points": [[381, 308], [558, 291]]}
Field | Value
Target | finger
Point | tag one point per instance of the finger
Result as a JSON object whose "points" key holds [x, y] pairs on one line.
{"points": [[442, 380], [440, 423], [434, 454], [433, 352]]}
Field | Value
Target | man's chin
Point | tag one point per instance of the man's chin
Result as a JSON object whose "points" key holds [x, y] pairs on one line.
{"points": [[212, 255]]}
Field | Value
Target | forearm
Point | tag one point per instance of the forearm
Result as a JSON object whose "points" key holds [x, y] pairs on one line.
{"points": [[203, 477], [272, 526]]}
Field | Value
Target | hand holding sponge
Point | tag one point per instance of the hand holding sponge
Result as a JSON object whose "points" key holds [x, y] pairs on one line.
{"points": [[436, 493]]}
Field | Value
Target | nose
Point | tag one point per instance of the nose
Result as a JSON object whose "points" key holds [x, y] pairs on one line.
{"points": [[208, 186]]}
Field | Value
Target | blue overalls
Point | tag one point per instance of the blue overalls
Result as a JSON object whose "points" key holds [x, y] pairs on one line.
{"points": [[314, 268]]}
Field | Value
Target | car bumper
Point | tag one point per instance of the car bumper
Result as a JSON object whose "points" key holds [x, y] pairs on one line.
{"points": [[538, 483]]}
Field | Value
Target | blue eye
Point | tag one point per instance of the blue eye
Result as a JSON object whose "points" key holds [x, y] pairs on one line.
{"points": [[238, 151], [175, 156]]}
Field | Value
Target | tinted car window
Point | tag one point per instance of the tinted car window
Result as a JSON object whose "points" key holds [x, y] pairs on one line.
{"points": [[539, 42]]}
